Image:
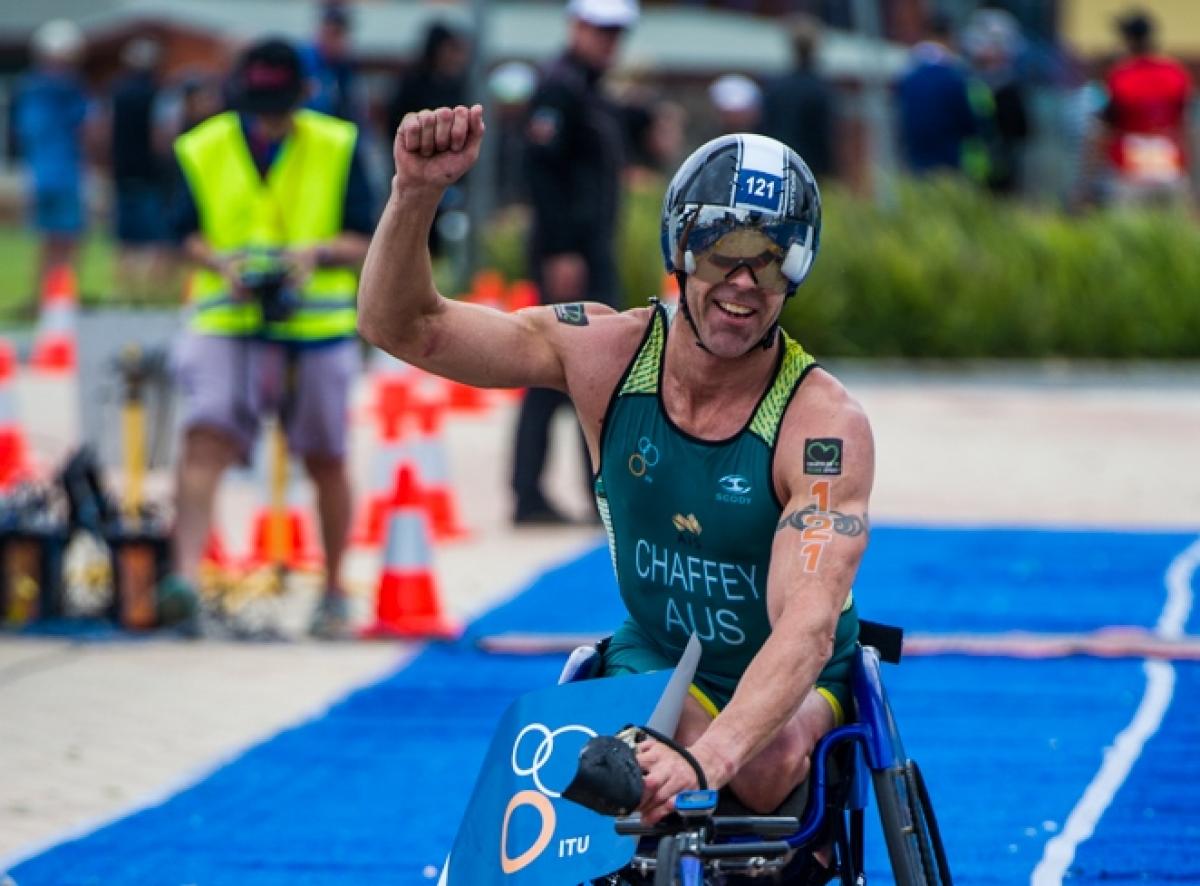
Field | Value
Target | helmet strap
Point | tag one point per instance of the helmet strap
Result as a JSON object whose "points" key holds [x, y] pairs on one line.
{"points": [[681, 281]]}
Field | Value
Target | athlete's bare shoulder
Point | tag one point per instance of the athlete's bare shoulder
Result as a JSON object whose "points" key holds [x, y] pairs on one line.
{"points": [[822, 392], [588, 334], [594, 344], [826, 433]]}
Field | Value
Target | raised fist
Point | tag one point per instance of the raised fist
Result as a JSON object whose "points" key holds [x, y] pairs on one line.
{"points": [[434, 148]]}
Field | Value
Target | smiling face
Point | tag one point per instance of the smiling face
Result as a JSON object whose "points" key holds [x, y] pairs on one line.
{"points": [[732, 316]]}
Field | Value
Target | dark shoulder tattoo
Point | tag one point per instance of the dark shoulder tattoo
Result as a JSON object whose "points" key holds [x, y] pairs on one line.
{"points": [[572, 314], [809, 517]]}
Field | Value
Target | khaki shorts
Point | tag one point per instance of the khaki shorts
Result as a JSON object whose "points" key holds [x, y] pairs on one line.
{"points": [[229, 384]]}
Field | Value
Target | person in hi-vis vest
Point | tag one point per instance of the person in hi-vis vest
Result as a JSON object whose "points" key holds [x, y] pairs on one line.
{"points": [[274, 213]]}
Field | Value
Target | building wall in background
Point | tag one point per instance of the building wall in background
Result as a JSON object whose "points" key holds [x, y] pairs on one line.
{"points": [[1087, 26]]}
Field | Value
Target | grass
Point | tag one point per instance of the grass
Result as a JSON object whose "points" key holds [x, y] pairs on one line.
{"points": [[18, 269]]}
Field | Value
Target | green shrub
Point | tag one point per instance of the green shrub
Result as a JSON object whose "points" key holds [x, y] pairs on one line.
{"points": [[949, 272]]}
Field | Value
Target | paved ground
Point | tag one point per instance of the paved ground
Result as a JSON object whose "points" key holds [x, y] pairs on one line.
{"points": [[88, 729]]}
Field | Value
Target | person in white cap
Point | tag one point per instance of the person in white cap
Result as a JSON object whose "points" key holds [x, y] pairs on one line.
{"points": [[737, 101], [573, 156]]}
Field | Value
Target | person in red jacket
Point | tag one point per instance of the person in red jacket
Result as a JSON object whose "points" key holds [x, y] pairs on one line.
{"points": [[1146, 120]]}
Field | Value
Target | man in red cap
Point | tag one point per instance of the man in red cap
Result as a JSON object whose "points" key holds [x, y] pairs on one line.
{"points": [[275, 215]]}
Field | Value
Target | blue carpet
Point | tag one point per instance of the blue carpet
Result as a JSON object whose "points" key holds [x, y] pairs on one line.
{"points": [[372, 791]]}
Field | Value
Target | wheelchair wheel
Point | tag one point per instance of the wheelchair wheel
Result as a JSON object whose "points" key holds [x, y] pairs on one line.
{"points": [[910, 829], [666, 862]]}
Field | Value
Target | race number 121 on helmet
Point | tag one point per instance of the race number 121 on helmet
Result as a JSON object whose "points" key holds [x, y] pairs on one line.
{"points": [[742, 201]]}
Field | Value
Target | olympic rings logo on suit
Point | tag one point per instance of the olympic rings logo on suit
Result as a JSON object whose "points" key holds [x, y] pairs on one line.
{"points": [[646, 457], [540, 798]]}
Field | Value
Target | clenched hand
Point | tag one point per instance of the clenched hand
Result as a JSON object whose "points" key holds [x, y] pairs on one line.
{"points": [[434, 148]]}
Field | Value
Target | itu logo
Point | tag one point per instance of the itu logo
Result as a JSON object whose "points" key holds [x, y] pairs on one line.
{"points": [[645, 458], [538, 798], [734, 490]]}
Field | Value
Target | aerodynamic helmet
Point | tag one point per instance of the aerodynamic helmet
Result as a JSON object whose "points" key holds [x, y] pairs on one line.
{"points": [[742, 200]]}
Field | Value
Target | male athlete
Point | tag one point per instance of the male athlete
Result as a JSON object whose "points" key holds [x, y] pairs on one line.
{"points": [[732, 473]]}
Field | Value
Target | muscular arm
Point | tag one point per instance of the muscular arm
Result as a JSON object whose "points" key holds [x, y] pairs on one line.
{"points": [[402, 312], [819, 541]]}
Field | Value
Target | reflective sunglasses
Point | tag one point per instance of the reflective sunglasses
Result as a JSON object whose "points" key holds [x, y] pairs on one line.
{"points": [[746, 248]]}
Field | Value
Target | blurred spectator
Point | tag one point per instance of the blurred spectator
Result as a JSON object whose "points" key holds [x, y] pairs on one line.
{"points": [[737, 101], [1145, 133], [51, 111], [437, 80], [510, 86], [329, 66], [938, 124], [654, 143], [991, 40], [137, 148], [573, 164], [200, 97], [275, 215], [654, 135], [798, 106]]}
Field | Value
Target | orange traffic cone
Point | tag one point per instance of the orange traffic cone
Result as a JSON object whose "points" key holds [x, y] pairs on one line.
{"points": [[283, 539], [386, 456], [407, 602], [281, 533], [465, 398], [15, 465], [429, 453], [215, 554], [54, 347], [522, 294], [487, 288], [393, 401]]}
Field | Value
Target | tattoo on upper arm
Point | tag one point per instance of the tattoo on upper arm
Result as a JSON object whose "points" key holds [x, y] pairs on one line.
{"points": [[572, 314], [817, 523], [849, 525]]}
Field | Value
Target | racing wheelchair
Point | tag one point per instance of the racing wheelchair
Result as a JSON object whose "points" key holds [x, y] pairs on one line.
{"points": [[709, 840]]}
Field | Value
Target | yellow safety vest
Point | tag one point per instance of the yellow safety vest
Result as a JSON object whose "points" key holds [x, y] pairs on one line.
{"points": [[299, 204]]}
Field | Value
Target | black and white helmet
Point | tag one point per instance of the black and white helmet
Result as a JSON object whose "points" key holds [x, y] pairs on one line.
{"points": [[743, 182]]}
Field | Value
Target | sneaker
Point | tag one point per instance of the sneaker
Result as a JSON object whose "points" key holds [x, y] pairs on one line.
{"points": [[177, 603], [331, 621]]}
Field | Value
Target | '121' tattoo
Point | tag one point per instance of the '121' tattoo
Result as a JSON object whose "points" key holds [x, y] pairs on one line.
{"points": [[843, 524], [573, 314]]}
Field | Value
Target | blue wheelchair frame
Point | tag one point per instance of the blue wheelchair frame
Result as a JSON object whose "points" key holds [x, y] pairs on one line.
{"points": [[906, 815]]}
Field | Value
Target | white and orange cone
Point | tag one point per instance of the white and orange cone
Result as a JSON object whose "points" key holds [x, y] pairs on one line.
{"points": [[407, 603], [429, 452], [54, 343]]}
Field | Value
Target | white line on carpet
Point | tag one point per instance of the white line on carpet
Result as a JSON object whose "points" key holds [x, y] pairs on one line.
{"points": [[1127, 747]]}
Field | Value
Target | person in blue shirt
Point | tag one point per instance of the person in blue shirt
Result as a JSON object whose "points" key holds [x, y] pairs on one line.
{"points": [[329, 68], [936, 119], [51, 110]]}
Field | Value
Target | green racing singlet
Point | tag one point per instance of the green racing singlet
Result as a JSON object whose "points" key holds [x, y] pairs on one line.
{"points": [[690, 526]]}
